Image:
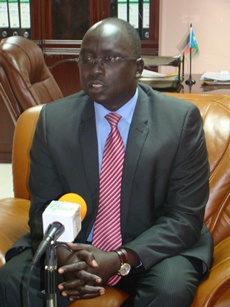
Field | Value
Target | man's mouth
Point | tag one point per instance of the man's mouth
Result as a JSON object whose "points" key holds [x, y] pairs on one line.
{"points": [[97, 85]]}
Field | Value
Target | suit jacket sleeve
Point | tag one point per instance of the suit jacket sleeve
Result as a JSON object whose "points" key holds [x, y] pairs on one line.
{"points": [[57, 163], [170, 185], [44, 182]]}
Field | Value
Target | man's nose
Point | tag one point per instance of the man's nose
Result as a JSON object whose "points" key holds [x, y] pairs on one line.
{"points": [[98, 60], [97, 67]]}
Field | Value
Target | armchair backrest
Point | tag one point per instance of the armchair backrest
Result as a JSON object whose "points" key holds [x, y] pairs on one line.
{"points": [[23, 137], [215, 110], [25, 80]]}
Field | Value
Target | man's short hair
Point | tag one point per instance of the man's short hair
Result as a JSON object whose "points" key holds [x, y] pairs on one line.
{"points": [[134, 38]]}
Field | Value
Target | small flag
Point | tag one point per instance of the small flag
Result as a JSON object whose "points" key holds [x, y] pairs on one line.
{"points": [[189, 44]]}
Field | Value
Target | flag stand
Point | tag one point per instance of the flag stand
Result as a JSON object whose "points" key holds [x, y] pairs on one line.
{"points": [[190, 80]]}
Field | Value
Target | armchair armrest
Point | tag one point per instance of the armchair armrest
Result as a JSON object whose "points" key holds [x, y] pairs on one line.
{"points": [[13, 221], [218, 281], [113, 297]]}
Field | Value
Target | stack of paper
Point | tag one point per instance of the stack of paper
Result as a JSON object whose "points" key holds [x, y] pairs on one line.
{"points": [[158, 80], [152, 74], [213, 78]]}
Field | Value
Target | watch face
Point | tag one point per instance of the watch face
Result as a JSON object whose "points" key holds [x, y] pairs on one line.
{"points": [[125, 269]]}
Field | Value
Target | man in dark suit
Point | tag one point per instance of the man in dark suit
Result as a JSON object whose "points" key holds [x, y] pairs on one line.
{"points": [[166, 247]]}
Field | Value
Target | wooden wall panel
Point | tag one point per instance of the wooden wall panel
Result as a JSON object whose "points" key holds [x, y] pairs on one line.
{"points": [[6, 133]]}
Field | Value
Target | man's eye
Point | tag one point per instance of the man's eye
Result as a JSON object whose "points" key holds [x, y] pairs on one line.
{"points": [[87, 59], [109, 59]]}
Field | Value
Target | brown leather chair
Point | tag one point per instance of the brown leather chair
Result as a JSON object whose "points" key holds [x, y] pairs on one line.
{"points": [[25, 80], [215, 110]]}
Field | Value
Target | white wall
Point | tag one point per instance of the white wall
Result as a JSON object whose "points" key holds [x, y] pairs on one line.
{"points": [[211, 23]]}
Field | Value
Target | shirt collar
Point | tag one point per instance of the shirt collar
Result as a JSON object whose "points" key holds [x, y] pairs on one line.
{"points": [[126, 111]]}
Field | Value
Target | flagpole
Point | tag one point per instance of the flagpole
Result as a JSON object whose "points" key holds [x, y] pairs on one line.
{"points": [[190, 80]]}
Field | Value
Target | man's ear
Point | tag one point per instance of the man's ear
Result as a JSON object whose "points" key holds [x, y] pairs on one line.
{"points": [[139, 67]]}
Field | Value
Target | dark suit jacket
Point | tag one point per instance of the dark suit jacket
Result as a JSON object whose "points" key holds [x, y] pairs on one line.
{"points": [[165, 176]]}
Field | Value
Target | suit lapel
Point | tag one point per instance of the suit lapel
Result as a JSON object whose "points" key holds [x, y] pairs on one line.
{"points": [[88, 141], [137, 136]]}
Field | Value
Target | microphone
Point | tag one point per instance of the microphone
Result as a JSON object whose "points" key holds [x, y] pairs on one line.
{"points": [[76, 199], [61, 220]]}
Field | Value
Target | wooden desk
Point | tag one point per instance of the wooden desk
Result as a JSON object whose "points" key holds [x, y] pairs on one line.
{"points": [[198, 87]]}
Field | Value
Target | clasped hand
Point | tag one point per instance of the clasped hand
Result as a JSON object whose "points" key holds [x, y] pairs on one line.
{"points": [[86, 270]]}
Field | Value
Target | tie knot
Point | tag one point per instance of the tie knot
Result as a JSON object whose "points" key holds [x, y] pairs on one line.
{"points": [[113, 119]]}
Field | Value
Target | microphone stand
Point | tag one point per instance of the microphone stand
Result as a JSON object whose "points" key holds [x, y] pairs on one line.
{"points": [[50, 276], [51, 273]]}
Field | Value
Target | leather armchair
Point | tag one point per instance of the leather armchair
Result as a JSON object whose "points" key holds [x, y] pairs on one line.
{"points": [[25, 80], [215, 110]]}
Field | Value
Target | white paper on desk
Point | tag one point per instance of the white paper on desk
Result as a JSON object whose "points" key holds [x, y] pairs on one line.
{"points": [[217, 76], [152, 74]]}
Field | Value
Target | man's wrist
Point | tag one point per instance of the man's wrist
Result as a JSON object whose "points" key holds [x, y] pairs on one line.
{"points": [[132, 257], [125, 267]]}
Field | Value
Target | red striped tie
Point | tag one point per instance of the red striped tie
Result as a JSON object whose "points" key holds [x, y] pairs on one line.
{"points": [[107, 231]]}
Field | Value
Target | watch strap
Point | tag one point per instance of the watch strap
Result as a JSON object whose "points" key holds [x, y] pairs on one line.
{"points": [[123, 255]]}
